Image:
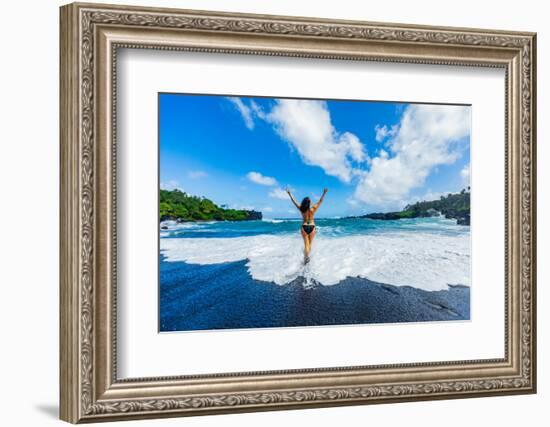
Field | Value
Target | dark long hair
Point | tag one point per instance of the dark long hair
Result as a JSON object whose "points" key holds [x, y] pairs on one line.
{"points": [[306, 203]]}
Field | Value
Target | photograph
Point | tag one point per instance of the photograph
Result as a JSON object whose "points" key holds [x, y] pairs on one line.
{"points": [[286, 212]]}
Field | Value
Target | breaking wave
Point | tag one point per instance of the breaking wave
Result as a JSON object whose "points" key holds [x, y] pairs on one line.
{"points": [[429, 261]]}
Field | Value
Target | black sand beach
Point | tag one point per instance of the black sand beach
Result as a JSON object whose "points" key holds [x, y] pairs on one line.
{"points": [[224, 296]]}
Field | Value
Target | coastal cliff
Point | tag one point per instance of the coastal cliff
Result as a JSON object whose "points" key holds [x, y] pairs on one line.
{"points": [[452, 206], [179, 206]]}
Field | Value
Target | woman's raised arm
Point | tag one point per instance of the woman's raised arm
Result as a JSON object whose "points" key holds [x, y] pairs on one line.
{"points": [[293, 199], [316, 206]]}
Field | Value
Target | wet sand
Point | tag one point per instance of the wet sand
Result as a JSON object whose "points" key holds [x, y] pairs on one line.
{"points": [[224, 296]]}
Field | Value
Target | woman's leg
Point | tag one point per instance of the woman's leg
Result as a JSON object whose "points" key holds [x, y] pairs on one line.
{"points": [[306, 243], [310, 239]]}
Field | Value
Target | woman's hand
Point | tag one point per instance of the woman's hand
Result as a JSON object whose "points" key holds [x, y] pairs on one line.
{"points": [[325, 191]]}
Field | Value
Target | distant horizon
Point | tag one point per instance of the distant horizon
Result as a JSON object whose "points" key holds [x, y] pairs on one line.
{"points": [[297, 215], [373, 156]]}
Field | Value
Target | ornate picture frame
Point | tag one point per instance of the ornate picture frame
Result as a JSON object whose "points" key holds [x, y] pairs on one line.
{"points": [[90, 37]]}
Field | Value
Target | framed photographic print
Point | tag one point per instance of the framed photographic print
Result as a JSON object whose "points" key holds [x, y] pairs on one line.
{"points": [[265, 212]]}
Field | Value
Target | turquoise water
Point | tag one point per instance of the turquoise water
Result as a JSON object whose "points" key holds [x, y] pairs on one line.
{"points": [[426, 253], [329, 227]]}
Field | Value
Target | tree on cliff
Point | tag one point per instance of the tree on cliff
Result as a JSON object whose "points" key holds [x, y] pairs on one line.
{"points": [[178, 205]]}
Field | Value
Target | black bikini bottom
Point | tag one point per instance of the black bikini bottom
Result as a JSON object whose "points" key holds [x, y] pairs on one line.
{"points": [[308, 228]]}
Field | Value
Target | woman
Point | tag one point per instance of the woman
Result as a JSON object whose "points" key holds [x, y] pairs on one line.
{"points": [[308, 224]]}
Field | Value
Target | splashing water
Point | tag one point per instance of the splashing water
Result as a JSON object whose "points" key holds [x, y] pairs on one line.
{"points": [[427, 253]]}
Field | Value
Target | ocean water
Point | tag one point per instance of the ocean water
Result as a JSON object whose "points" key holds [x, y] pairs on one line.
{"points": [[425, 253]]}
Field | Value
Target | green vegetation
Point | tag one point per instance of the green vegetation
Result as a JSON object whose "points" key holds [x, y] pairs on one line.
{"points": [[452, 205], [177, 205], [455, 206]]}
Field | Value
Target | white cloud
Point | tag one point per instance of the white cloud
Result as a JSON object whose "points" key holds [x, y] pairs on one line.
{"points": [[246, 112], [355, 149], [246, 207], [307, 126], [428, 196], [465, 175], [257, 110], [353, 202], [170, 185], [278, 193], [267, 209], [197, 174], [258, 178], [239, 206], [382, 132], [427, 136]]}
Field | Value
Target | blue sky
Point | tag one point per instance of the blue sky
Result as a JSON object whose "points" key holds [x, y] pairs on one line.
{"points": [[372, 156]]}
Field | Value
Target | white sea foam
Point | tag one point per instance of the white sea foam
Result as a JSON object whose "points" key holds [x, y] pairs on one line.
{"points": [[169, 226], [422, 260], [280, 220], [174, 225]]}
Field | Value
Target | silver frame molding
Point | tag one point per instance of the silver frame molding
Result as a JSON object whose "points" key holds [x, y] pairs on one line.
{"points": [[90, 36]]}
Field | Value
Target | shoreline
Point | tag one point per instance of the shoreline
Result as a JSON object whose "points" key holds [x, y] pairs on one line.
{"points": [[224, 296]]}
